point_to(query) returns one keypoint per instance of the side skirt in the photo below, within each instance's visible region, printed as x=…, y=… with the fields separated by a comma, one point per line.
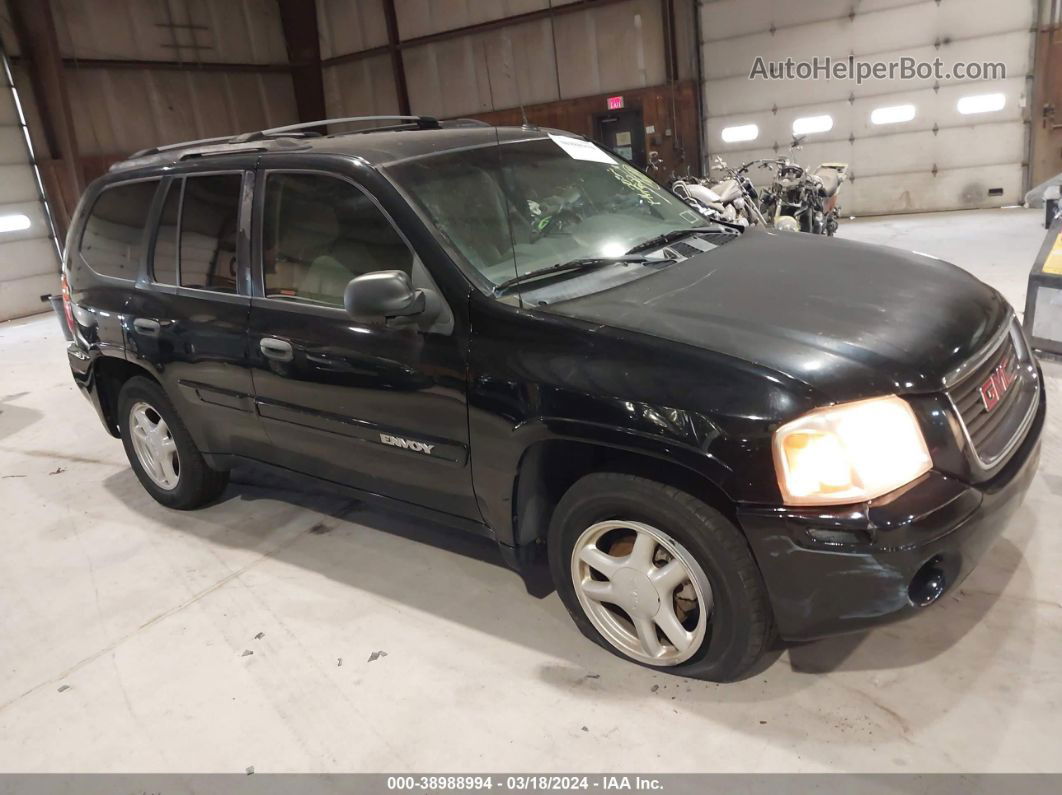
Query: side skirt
x=380, y=501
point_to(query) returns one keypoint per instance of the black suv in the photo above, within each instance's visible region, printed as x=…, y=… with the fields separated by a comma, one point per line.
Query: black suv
x=715, y=436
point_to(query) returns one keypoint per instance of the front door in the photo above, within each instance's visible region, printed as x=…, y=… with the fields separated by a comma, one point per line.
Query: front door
x=623, y=132
x=371, y=406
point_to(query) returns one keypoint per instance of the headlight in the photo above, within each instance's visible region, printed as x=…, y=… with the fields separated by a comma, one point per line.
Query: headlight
x=850, y=453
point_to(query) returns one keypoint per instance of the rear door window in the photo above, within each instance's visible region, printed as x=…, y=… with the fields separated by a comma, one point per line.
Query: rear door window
x=113, y=238
x=210, y=216
x=319, y=232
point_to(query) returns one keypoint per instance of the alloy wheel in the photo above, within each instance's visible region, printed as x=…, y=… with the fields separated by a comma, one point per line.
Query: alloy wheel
x=154, y=445
x=642, y=590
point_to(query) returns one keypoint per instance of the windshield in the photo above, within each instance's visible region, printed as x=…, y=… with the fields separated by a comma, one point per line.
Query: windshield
x=519, y=207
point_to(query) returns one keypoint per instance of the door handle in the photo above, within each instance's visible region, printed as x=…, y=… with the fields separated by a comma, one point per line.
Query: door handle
x=279, y=350
x=147, y=326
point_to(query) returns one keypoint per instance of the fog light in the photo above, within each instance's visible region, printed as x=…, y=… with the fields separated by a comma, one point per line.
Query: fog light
x=928, y=583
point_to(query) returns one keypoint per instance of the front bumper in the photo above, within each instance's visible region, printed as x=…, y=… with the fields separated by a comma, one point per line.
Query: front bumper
x=829, y=572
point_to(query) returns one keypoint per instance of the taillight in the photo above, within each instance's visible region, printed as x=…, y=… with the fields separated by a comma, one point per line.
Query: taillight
x=68, y=306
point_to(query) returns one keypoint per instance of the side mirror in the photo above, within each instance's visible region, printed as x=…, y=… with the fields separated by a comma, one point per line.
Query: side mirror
x=383, y=295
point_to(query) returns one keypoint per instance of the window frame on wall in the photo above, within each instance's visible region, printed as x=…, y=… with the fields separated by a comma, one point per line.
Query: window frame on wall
x=888, y=115
x=742, y=131
x=982, y=103
x=825, y=125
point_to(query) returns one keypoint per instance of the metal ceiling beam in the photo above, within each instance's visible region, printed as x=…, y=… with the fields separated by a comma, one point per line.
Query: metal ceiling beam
x=183, y=66
x=480, y=27
x=299, y=21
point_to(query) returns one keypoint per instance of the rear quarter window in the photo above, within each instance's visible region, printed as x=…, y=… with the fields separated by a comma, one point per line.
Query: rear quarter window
x=113, y=239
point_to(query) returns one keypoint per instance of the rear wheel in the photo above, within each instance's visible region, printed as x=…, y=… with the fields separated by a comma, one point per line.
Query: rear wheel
x=658, y=577
x=161, y=451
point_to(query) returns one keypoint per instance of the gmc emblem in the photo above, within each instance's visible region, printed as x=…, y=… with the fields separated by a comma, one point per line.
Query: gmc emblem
x=993, y=390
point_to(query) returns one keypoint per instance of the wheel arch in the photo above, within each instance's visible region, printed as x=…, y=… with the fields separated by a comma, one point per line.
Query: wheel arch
x=548, y=468
x=110, y=374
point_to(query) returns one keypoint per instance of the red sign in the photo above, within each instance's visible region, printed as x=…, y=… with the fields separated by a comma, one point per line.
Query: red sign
x=993, y=390
x=615, y=103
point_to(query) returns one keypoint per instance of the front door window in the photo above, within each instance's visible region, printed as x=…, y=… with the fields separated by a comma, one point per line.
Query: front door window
x=319, y=232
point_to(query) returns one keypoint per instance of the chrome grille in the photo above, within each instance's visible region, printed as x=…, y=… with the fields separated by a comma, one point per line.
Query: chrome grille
x=993, y=421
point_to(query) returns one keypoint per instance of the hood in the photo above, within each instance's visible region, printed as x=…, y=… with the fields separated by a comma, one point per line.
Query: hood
x=849, y=319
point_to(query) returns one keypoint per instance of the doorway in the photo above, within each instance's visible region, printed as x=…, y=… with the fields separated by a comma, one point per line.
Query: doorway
x=622, y=131
x=1047, y=100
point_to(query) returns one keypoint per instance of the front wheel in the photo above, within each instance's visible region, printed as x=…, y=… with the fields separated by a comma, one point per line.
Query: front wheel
x=161, y=450
x=658, y=577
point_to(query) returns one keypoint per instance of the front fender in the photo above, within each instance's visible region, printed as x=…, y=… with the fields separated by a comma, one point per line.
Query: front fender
x=500, y=456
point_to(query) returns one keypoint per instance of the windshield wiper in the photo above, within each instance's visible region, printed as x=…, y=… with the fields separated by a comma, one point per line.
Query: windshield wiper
x=572, y=266
x=664, y=239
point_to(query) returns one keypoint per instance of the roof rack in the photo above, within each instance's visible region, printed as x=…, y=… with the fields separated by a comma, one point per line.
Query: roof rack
x=421, y=122
x=292, y=130
x=465, y=122
x=225, y=143
x=157, y=150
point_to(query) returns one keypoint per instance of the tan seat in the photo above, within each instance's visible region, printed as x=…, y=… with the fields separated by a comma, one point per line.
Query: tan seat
x=831, y=177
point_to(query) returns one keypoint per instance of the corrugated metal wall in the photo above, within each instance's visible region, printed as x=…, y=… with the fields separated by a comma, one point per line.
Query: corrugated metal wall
x=940, y=159
x=120, y=108
x=346, y=27
x=609, y=48
x=364, y=86
x=172, y=106
x=223, y=31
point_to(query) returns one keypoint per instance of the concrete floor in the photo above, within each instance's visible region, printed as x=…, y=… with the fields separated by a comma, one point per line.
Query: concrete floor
x=133, y=638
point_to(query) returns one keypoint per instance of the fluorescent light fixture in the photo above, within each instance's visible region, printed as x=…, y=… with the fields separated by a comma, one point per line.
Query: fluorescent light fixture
x=813, y=124
x=893, y=114
x=741, y=132
x=982, y=103
x=15, y=222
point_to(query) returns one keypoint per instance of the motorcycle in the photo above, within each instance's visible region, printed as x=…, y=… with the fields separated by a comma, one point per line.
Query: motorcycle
x=802, y=201
x=734, y=200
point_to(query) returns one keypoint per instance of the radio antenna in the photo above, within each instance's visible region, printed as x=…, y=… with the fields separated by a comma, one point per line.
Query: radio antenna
x=515, y=78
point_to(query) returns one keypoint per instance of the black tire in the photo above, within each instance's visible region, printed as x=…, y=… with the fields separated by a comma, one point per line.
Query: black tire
x=740, y=627
x=197, y=483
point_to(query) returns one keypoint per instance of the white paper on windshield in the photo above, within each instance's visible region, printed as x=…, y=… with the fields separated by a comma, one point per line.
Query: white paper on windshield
x=581, y=150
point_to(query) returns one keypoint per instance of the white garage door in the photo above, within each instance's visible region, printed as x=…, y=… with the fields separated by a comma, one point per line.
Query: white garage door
x=29, y=262
x=925, y=153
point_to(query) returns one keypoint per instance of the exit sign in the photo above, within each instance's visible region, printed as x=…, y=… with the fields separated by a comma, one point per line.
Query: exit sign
x=615, y=103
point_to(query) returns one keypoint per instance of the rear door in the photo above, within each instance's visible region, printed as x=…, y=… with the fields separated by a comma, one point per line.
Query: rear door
x=378, y=408
x=188, y=317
